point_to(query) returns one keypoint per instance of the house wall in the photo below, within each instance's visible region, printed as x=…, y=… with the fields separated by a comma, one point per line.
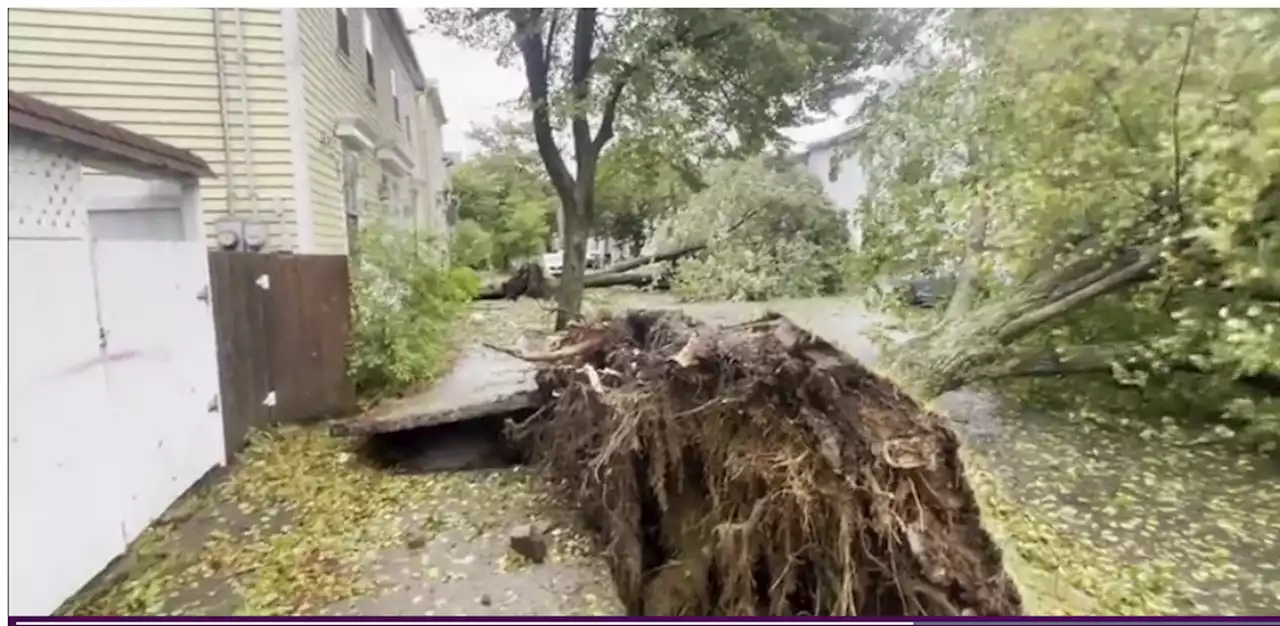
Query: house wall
x=335, y=85
x=845, y=188
x=155, y=72
x=435, y=174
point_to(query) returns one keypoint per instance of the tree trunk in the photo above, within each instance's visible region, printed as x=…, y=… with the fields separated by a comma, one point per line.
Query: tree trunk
x=657, y=257
x=569, y=295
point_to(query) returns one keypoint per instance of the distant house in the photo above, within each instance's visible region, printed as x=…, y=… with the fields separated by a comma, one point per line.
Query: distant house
x=845, y=183
x=309, y=117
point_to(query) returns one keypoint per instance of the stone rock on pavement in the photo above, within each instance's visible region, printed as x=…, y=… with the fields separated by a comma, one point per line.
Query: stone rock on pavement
x=529, y=542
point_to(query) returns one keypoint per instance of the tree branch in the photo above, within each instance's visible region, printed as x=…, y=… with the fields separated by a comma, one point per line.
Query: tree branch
x=1074, y=360
x=1129, y=136
x=550, y=56
x=529, y=40
x=684, y=250
x=1177, y=101
x=629, y=70
x=619, y=85
x=1111, y=281
x=967, y=277
x=584, y=39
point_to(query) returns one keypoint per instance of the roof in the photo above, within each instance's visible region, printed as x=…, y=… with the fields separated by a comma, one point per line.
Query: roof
x=394, y=24
x=109, y=140
x=823, y=144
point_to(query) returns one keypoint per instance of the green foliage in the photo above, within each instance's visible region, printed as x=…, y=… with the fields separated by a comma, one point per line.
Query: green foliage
x=406, y=301
x=525, y=228
x=635, y=186
x=473, y=246
x=770, y=233
x=511, y=206
x=1092, y=137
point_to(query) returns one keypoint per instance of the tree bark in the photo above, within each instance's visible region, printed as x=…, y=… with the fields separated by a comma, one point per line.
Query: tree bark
x=657, y=257
x=591, y=281
x=970, y=267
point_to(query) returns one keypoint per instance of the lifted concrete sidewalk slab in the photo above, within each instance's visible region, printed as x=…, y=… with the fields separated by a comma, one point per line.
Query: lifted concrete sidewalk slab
x=483, y=382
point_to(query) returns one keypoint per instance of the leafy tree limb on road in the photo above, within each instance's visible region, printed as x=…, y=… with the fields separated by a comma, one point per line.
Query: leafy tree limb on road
x=1113, y=176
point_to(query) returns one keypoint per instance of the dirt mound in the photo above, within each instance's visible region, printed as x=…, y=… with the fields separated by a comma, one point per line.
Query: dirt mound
x=758, y=470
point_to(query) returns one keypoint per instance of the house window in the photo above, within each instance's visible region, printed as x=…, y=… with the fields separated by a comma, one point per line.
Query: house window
x=368, y=53
x=344, y=32
x=395, y=96
x=408, y=131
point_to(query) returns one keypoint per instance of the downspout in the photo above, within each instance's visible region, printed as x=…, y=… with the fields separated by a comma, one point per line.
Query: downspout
x=244, y=112
x=219, y=59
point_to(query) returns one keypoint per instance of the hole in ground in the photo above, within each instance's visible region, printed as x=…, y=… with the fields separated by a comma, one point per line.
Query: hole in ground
x=475, y=444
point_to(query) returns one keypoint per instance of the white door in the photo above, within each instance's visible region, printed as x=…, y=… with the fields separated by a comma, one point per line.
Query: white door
x=65, y=483
x=162, y=375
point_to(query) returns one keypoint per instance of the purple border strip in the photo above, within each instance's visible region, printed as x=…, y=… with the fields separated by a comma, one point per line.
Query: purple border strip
x=475, y=619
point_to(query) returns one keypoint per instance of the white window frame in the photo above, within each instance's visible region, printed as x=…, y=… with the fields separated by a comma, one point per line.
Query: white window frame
x=366, y=29
x=395, y=95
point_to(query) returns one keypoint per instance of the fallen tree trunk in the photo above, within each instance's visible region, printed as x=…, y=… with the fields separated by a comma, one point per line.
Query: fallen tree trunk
x=758, y=470
x=530, y=282
x=649, y=259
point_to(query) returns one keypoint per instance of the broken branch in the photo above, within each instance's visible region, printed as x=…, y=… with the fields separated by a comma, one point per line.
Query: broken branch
x=560, y=354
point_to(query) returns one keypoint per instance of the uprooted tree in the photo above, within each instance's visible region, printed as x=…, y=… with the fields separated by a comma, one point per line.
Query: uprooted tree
x=1112, y=178
x=714, y=74
x=758, y=470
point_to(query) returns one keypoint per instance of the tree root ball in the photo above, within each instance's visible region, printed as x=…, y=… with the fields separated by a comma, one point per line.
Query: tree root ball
x=758, y=470
x=531, y=281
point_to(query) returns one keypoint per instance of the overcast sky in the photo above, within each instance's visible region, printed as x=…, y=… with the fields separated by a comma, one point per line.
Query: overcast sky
x=473, y=87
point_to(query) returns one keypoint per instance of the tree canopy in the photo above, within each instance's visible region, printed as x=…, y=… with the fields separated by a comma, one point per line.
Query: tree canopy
x=768, y=229
x=719, y=80
x=1113, y=177
x=505, y=206
x=636, y=186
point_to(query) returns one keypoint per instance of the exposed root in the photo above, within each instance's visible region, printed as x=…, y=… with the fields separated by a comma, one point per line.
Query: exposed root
x=758, y=470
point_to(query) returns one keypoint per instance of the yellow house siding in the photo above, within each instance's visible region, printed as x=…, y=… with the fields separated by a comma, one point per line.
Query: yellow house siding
x=336, y=86
x=154, y=71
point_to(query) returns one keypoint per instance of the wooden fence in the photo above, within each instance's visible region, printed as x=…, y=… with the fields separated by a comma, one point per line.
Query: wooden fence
x=282, y=322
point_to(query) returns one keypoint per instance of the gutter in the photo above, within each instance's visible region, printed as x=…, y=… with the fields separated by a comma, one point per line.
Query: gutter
x=221, y=71
x=245, y=132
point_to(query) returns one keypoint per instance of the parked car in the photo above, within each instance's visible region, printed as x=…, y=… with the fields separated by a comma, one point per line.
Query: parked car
x=553, y=262
x=927, y=292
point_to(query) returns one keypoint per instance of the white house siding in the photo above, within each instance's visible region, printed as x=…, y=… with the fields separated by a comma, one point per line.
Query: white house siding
x=844, y=187
x=154, y=71
x=335, y=86
x=432, y=212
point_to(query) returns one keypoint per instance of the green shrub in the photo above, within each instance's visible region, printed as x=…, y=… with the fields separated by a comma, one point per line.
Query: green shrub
x=473, y=246
x=406, y=299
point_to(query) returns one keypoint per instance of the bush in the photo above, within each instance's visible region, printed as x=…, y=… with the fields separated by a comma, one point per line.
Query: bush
x=770, y=233
x=406, y=299
x=473, y=246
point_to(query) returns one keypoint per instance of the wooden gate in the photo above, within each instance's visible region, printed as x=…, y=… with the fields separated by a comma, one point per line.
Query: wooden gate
x=282, y=322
